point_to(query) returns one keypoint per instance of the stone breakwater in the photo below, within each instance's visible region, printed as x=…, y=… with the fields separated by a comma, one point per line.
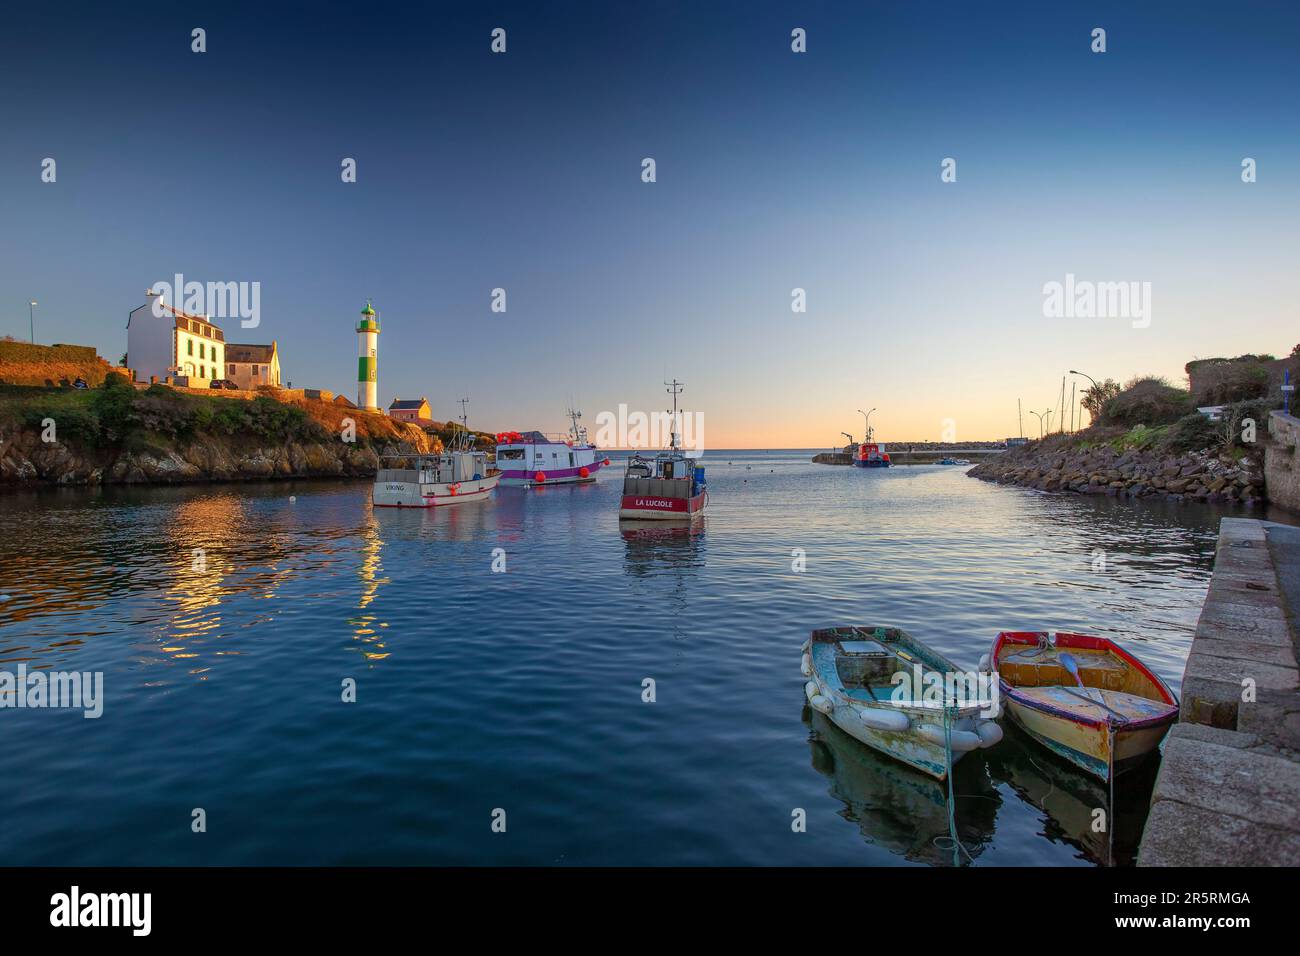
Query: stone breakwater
x=1205, y=476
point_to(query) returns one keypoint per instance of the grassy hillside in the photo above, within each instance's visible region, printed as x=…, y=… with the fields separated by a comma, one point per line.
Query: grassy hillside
x=117, y=413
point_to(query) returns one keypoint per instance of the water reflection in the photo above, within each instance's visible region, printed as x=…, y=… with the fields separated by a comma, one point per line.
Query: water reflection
x=1070, y=800
x=905, y=812
x=367, y=628
x=653, y=547
x=898, y=808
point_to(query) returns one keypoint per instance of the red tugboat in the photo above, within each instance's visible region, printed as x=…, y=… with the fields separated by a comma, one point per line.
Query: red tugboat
x=668, y=486
x=870, y=454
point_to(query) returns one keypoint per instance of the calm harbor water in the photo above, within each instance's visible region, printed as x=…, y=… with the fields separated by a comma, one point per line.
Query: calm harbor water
x=522, y=690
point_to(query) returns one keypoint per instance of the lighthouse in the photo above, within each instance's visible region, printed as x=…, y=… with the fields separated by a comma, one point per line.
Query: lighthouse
x=368, y=359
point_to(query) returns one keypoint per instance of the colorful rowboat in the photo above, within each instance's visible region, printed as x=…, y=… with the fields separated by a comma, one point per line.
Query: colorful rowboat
x=870, y=682
x=1119, y=715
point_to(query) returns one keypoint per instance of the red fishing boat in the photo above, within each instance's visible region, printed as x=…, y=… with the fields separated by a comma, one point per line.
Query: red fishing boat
x=668, y=486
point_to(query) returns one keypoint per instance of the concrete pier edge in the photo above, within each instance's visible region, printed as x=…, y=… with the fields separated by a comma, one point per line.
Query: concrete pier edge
x=1228, y=791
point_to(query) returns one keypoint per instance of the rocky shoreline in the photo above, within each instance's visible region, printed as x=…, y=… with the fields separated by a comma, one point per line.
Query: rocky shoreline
x=1058, y=465
x=27, y=460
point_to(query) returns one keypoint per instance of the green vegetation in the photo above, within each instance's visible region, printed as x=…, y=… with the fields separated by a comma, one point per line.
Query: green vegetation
x=448, y=433
x=14, y=351
x=1097, y=395
x=1219, y=381
x=116, y=413
x=1148, y=401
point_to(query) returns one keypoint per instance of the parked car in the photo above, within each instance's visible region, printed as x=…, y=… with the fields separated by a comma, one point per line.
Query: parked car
x=224, y=383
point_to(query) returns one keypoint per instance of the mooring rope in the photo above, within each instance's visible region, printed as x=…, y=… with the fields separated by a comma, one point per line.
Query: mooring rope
x=949, y=712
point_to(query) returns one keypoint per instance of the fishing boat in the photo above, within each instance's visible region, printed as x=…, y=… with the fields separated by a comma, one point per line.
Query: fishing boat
x=1084, y=698
x=954, y=461
x=871, y=455
x=452, y=477
x=529, y=459
x=667, y=486
x=872, y=683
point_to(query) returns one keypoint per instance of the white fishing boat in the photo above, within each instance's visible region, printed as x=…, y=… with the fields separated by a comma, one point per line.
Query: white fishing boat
x=529, y=459
x=451, y=477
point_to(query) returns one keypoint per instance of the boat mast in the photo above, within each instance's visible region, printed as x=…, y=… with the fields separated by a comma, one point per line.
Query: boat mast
x=462, y=440
x=674, y=389
x=576, y=429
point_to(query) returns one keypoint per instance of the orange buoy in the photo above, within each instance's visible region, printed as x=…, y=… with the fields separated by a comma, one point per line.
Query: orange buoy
x=540, y=477
x=584, y=473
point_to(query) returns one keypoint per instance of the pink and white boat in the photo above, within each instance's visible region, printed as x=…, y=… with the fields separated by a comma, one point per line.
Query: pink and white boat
x=529, y=459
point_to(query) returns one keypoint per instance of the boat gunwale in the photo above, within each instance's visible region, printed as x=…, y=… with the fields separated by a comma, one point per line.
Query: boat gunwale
x=1087, y=642
x=827, y=635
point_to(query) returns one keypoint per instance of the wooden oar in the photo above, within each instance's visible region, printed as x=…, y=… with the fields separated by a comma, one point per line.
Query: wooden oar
x=1072, y=666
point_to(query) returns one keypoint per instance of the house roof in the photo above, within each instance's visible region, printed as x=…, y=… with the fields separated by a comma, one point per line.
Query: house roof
x=408, y=403
x=252, y=354
x=181, y=320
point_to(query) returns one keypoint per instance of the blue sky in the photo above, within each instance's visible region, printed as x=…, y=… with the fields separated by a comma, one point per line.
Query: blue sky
x=775, y=170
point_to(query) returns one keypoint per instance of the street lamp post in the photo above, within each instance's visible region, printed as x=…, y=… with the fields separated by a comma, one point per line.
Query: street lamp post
x=866, y=424
x=1094, y=385
x=1040, y=422
x=31, y=318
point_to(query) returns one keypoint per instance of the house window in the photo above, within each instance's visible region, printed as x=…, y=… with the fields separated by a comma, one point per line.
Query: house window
x=189, y=346
x=202, y=353
x=232, y=369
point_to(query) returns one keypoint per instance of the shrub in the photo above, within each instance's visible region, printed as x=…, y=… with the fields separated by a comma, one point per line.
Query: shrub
x=1239, y=382
x=1234, y=417
x=1192, y=433
x=1146, y=401
x=112, y=404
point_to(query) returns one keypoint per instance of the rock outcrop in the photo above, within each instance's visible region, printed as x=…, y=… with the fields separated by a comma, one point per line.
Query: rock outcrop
x=26, y=459
x=1102, y=469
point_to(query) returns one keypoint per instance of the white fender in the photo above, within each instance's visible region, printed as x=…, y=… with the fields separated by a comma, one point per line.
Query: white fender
x=811, y=690
x=884, y=719
x=823, y=704
x=989, y=732
x=984, y=664
x=962, y=740
x=805, y=665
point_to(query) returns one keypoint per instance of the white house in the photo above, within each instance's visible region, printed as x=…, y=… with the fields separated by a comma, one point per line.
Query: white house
x=249, y=366
x=173, y=343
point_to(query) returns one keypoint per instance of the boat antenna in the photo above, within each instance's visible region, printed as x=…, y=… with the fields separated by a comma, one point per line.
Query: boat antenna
x=674, y=389
x=578, y=437
x=463, y=438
